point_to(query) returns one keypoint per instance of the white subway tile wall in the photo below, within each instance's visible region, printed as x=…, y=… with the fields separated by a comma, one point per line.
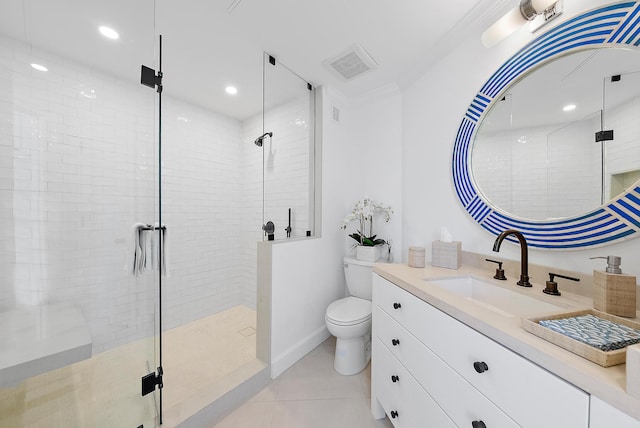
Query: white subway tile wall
x=200, y=203
x=250, y=201
x=541, y=172
x=286, y=166
x=623, y=153
x=78, y=171
x=78, y=167
x=286, y=159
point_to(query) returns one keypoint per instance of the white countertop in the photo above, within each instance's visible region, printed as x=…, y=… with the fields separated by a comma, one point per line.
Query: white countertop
x=608, y=384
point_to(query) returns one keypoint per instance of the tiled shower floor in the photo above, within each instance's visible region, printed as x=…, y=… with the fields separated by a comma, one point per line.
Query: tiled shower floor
x=201, y=361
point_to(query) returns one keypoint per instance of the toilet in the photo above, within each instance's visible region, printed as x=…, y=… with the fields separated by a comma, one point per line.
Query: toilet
x=349, y=319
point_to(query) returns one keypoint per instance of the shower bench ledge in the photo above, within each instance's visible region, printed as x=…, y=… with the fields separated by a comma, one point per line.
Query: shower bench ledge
x=37, y=339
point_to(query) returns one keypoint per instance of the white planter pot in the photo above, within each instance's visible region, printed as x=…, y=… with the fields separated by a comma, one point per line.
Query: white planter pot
x=368, y=254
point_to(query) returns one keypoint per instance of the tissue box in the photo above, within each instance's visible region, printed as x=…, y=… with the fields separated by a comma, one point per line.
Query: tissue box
x=446, y=254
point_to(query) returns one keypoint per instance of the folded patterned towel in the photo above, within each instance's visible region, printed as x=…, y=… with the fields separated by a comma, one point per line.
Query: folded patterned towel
x=597, y=332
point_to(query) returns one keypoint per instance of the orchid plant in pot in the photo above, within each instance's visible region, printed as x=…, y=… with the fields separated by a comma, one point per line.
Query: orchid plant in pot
x=367, y=244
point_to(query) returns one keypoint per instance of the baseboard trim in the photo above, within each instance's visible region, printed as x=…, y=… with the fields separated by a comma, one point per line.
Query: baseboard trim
x=282, y=362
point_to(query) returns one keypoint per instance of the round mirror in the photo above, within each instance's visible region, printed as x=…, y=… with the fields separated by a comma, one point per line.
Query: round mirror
x=565, y=179
x=537, y=144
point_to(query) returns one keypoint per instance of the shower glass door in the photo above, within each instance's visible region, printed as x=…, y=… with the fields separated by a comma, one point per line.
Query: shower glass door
x=78, y=175
x=621, y=115
x=288, y=146
x=573, y=167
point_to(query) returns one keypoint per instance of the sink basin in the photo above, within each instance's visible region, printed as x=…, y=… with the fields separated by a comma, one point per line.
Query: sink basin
x=495, y=298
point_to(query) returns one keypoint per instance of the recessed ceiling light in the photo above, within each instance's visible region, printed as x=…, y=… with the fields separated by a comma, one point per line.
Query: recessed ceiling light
x=569, y=107
x=91, y=94
x=231, y=90
x=109, y=32
x=39, y=67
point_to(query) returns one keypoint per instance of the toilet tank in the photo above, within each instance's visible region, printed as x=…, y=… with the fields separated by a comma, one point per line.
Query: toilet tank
x=359, y=278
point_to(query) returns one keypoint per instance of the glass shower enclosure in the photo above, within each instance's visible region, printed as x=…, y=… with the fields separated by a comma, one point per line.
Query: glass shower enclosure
x=288, y=152
x=88, y=174
x=78, y=190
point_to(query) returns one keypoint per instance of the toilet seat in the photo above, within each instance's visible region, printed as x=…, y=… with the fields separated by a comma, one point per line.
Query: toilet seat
x=349, y=311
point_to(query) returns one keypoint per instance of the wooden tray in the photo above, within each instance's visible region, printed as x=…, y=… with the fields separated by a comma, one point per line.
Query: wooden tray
x=602, y=358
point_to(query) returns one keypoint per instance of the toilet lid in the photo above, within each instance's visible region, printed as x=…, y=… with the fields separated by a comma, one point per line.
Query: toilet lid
x=348, y=311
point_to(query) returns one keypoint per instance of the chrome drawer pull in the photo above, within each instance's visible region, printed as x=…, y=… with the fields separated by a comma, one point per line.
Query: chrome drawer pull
x=394, y=378
x=397, y=306
x=394, y=414
x=395, y=342
x=480, y=366
x=478, y=424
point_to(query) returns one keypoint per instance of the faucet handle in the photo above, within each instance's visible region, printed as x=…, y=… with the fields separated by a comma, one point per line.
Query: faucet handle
x=499, y=271
x=552, y=286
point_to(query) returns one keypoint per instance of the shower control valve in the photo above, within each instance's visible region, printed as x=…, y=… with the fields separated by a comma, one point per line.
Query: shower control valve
x=269, y=230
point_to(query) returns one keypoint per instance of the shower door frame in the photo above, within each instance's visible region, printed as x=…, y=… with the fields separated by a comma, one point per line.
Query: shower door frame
x=150, y=381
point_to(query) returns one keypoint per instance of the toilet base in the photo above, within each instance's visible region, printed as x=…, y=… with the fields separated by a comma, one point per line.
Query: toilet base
x=352, y=355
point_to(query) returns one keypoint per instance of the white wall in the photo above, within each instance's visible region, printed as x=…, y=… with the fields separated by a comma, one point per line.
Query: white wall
x=374, y=126
x=307, y=274
x=358, y=160
x=433, y=107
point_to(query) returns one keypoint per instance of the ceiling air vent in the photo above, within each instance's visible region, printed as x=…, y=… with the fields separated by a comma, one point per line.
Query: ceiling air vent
x=352, y=63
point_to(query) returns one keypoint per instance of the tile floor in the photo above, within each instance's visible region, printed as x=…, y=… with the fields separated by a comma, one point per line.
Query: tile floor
x=310, y=394
x=104, y=390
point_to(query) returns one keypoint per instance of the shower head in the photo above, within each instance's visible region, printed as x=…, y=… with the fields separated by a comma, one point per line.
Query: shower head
x=259, y=140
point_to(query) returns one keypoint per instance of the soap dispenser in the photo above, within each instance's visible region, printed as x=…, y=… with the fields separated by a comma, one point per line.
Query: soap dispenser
x=614, y=292
x=613, y=263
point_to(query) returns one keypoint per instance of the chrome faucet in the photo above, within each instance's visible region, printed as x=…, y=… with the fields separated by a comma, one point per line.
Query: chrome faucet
x=524, y=254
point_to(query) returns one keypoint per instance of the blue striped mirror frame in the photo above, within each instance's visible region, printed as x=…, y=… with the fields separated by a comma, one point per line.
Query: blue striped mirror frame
x=614, y=25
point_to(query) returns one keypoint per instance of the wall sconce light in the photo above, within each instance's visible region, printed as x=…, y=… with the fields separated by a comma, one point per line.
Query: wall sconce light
x=538, y=11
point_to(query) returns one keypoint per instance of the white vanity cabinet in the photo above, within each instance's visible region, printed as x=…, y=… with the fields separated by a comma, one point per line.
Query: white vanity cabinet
x=405, y=402
x=475, y=381
x=604, y=415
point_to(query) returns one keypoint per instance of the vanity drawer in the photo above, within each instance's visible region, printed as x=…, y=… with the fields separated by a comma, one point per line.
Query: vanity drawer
x=399, y=304
x=520, y=388
x=399, y=392
x=459, y=400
